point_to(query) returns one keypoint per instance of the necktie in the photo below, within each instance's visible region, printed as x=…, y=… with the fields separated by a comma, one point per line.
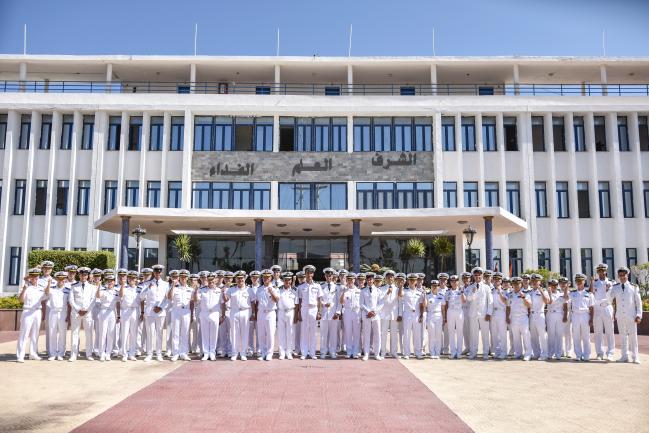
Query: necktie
x=83, y=286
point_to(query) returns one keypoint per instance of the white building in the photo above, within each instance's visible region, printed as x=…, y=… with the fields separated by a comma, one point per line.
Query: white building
x=330, y=161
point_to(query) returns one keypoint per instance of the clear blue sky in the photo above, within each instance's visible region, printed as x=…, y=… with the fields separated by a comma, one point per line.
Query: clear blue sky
x=380, y=27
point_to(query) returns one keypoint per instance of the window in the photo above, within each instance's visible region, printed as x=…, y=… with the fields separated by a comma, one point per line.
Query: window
x=156, y=134
x=448, y=133
x=489, y=134
x=623, y=134
x=382, y=134
x=14, y=266
x=608, y=257
x=67, y=127
x=563, y=207
x=604, y=193
x=580, y=133
x=131, y=254
x=511, y=140
x=110, y=195
x=471, y=194
x=243, y=133
x=558, y=134
x=19, y=196
x=227, y=134
x=583, y=200
x=450, y=194
x=262, y=90
x=399, y=195
x=46, y=132
x=332, y=91
x=565, y=261
x=79, y=249
x=235, y=195
x=83, y=197
x=541, y=199
x=497, y=261
x=114, y=132
x=544, y=258
x=264, y=134
x=87, y=132
x=3, y=130
x=472, y=257
x=25, y=131
x=492, y=194
x=132, y=193
x=321, y=134
x=514, y=198
x=515, y=262
x=0, y=192
x=643, y=130
x=174, y=194
x=62, y=190
x=40, y=206
x=600, y=134
x=631, y=257
x=645, y=193
x=150, y=257
x=586, y=261
x=468, y=134
x=153, y=193
x=627, y=199
x=177, y=133
x=407, y=91
x=485, y=90
x=538, y=135
x=362, y=134
x=386, y=134
x=313, y=196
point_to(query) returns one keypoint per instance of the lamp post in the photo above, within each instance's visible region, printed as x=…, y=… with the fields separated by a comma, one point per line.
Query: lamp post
x=139, y=233
x=469, y=233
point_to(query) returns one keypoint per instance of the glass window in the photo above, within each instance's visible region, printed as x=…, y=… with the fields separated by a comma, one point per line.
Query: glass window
x=538, y=135
x=223, y=131
x=201, y=195
x=407, y=91
x=541, y=199
x=110, y=195
x=492, y=194
x=423, y=134
x=67, y=127
x=382, y=127
x=403, y=134
x=150, y=257
x=399, y=195
x=132, y=193
x=14, y=266
x=643, y=130
x=623, y=134
x=46, y=132
x=448, y=133
x=322, y=132
x=236, y=195
x=544, y=258
x=313, y=196
x=177, y=133
x=25, y=131
x=40, y=206
x=631, y=257
x=262, y=90
x=83, y=197
x=19, y=196
x=580, y=134
x=87, y=132
x=627, y=199
x=450, y=194
x=583, y=200
x=153, y=194
x=3, y=130
x=332, y=90
x=608, y=257
x=243, y=133
x=472, y=258
x=114, y=132
x=304, y=134
x=515, y=262
x=604, y=193
x=511, y=138
x=174, y=194
x=514, y=198
x=489, y=134
x=586, y=262
x=468, y=134
x=203, y=128
x=645, y=193
x=365, y=195
x=563, y=206
x=135, y=133
x=565, y=261
x=339, y=134
x=471, y=194
x=497, y=260
x=600, y=133
x=62, y=191
x=362, y=133
x=558, y=134
x=263, y=134
x=156, y=134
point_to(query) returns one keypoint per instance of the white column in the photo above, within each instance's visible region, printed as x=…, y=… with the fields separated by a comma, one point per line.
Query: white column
x=100, y=138
x=350, y=78
x=351, y=195
x=51, y=187
x=166, y=140
x=589, y=135
x=524, y=122
x=481, y=168
x=433, y=79
x=350, y=134
x=638, y=199
x=34, y=137
x=460, y=165
x=438, y=160
x=460, y=251
x=144, y=150
x=274, y=195
x=187, y=159
x=23, y=76
x=603, y=79
x=276, y=133
x=502, y=181
x=192, y=77
x=109, y=76
x=517, y=81
x=552, y=179
x=613, y=147
x=13, y=135
x=278, y=81
x=77, y=128
x=572, y=179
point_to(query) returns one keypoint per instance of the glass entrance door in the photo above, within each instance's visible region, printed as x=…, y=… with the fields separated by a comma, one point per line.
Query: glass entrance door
x=293, y=254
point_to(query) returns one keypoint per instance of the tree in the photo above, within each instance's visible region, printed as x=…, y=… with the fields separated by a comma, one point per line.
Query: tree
x=442, y=248
x=183, y=246
x=414, y=248
x=547, y=275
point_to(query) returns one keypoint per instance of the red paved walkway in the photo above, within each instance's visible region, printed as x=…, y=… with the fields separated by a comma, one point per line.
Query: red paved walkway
x=282, y=396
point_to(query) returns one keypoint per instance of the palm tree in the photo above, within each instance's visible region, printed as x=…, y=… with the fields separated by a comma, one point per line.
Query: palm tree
x=414, y=248
x=183, y=246
x=442, y=248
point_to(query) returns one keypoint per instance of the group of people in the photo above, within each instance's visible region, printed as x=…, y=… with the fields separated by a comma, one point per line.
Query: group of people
x=232, y=314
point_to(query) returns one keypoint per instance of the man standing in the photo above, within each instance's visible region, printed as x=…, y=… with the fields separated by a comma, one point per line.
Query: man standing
x=180, y=297
x=581, y=305
x=329, y=316
x=82, y=301
x=240, y=310
x=310, y=294
x=389, y=315
x=287, y=315
x=155, y=311
x=628, y=313
x=603, y=314
x=371, y=306
x=412, y=304
x=480, y=301
x=517, y=317
x=267, y=296
x=538, y=333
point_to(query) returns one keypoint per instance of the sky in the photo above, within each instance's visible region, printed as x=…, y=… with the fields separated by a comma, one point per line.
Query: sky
x=306, y=27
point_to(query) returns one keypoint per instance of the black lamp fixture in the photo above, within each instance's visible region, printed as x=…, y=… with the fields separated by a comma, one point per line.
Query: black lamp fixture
x=139, y=233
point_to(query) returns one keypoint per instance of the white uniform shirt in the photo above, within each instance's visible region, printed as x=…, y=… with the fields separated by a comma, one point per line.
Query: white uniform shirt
x=435, y=303
x=287, y=299
x=454, y=299
x=155, y=295
x=627, y=300
x=351, y=300
x=499, y=305
x=371, y=300
x=57, y=300
x=538, y=306
x=265, y=302
x=518, y=309
x=330, y=295
x=131, y=298
x=108, y=298
x=480, y=300
x=411, y=300
x=239, y=299
x=600, y=291
x=181, y=296
x=390, y=309
x=33, y=297
x=82, y=296
x=210, y=299
x=581, y=301
x=309, y=294
x=556, y=303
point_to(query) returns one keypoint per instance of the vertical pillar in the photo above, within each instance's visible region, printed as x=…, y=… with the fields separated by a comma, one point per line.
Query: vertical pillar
x=517, y=81
x=123, y=249
x=603, y=79
x=278, y=82
x=489, y=241
x=192, y=78
x=109, y=77
x=23, y=76
x=350, y=79
x=350, y=134
x=433, y=79
x=259, y=243
x=356, y=245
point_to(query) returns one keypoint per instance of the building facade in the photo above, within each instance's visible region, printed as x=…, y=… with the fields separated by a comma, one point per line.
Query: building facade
x=332, y=161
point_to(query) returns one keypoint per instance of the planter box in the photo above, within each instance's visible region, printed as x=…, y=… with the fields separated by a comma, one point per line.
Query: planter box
x=10, y=320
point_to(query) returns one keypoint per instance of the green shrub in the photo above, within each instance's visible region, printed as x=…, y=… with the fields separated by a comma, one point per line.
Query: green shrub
x=61, y=259
x=546, y=274
x=10, y=303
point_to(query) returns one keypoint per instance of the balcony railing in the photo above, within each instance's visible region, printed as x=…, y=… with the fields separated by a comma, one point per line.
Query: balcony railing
x=325, y=89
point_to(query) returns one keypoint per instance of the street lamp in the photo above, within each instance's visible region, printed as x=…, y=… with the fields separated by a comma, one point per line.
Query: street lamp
x=139, y=233
x=469, y=233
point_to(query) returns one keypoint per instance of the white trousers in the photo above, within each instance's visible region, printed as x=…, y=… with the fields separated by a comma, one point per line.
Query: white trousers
x=628, y=330
x=393, y=327
x=435, y=339
x=239, y=322
x=224, y=344
x=285, y=332
x=556, y=330
x=498, y=328
x=455, y=324
x=522, y=341
x=106, y=318
x=128, y=331
x=209, y=331
x=352, y=328
x=581, y=335
x=266, y=324
x=180, y=318
x=154, y=327
x=30, y=325
x=603, y=327
x=411, y=333
x=328, y=336
x=88, y=324
x=253, y=336
x=538, y=335
x=308, y=331
x=371, y=334
x=56, y=331
x=479, y=326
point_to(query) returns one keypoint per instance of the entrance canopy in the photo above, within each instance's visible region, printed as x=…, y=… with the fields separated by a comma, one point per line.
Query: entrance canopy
x=383, y=222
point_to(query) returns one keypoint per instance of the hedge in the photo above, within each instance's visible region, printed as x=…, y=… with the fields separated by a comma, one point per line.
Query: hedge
x=10, y=303
x=62, y=258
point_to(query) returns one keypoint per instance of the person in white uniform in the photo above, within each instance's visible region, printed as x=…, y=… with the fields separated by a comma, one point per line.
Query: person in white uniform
x=212, y=309
x=466, y=329
x=480, y=301
x=434, y=304
x=31, y=295
x=498, y=322
x=57, y=311
x=82, y=302
x=180, y=296
x=603, y=314
x=108, y=300
x=350, y=304
x=455, y=299
x=442, y=277
x=267, y=297
x=310, y=294
x=253, y=329
x=628, y=313
x=286, y=316
x=538, y=334
x=518, y=306
x=371, y=306
x=566, y=338
x=389, y=315
x=412, y=300
x=581, y=307
x=555, y=320
x=155, y=299
x=129, y=302
x=329, y=316
x=240, y=310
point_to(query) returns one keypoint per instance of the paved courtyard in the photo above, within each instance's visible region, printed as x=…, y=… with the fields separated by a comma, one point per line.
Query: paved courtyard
x=317, y=396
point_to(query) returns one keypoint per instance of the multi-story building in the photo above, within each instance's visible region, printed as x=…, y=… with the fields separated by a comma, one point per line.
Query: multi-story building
x=331, y=161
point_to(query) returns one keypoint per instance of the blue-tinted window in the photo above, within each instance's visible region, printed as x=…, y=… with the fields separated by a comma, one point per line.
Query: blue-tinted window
x=235, y=195
x=156, y=134
x=83, y=197
x=563, y=206
x=88, y=131
x=627, y=199
x=489, y=134
x=174, y=194
x=46, y=132
x=14, y=265
x=604, y=193
x=25, y=131
x=19, y=196
x=492, y=194
x=110, y=195
x=135, y=133
x=471, y=194
x=450, y=194
x=313, y=196
x=262, y=90
x=448, y=133
x=362, y=134
x=541, y=194
x=153, y=194
x=468, y=134
x=399, y=195
x=407, y=91
x=332, y=90
x=513, y=190
x=177, y=133
x=385, y=134
x=114, y=132
x=132, y=193
x=67, y=127
x=580, y=135
x=3, y=130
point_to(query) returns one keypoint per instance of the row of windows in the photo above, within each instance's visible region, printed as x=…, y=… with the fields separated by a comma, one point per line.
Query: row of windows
x=329, y=134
